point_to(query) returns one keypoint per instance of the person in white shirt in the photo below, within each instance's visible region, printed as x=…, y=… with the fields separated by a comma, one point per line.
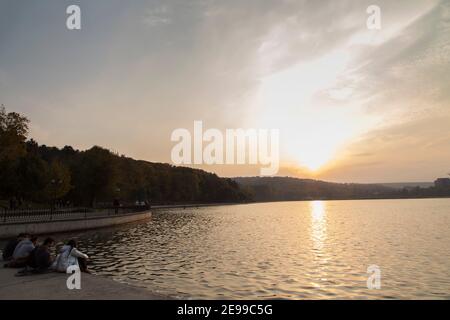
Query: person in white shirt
x=70, y=256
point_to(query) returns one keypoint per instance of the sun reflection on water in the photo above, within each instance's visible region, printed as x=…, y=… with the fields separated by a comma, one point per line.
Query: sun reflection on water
x=318, y=224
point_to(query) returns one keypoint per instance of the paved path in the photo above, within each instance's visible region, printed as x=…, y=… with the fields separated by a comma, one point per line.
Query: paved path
x=52, y=286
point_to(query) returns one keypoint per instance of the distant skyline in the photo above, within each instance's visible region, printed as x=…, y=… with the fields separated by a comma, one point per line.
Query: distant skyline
x=352, y=104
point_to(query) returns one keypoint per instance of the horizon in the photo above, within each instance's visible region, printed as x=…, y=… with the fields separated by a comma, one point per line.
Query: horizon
x=352, y=105
x=257, y=176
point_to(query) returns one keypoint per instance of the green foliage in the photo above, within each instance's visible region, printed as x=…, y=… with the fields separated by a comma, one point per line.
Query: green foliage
x=99, y=176
x=24, y=174
x=13, y=132
x=35, y=173
x=32, y=175
x=39, y=181
x=57, y=184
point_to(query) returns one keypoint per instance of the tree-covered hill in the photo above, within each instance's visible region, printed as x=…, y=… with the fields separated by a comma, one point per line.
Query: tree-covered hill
x=37, y=174
x=98, y=175
x=287, y=189
x=291, y=189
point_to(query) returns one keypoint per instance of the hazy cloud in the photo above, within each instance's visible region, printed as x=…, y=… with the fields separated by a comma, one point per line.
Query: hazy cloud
x=157, y=16
x=138, y=70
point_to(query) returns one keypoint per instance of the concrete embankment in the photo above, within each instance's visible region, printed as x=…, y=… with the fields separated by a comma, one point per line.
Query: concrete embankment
x=80, y=222
x=52, y=286
x=8, y=230
x=192, y=205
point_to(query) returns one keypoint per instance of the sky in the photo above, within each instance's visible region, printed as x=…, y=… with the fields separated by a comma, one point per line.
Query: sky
x=351, y=104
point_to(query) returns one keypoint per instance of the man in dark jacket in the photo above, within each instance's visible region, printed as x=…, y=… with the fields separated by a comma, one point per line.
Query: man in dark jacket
x=41, y=258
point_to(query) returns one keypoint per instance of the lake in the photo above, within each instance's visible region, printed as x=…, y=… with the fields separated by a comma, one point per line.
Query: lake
x=284, y=250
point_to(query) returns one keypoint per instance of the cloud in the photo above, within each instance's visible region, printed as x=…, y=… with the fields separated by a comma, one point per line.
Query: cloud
x=406, y=72
x=415, y=150
x=157, y=16
x=159, y=65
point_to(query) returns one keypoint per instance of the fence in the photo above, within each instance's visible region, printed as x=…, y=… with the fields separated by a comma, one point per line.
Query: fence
x=45, y=215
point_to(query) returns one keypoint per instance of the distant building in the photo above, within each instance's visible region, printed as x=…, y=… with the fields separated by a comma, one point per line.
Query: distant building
x=442, y=183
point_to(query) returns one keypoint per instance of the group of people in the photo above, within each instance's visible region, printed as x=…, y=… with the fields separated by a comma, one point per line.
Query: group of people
x=25, y=252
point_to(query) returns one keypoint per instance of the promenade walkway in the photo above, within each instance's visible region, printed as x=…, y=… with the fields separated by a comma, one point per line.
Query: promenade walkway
x=52, y=286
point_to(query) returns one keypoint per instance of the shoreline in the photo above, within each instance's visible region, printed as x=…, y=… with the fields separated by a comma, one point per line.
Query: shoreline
x=9, y=230
x=52, y=286
x=175, y=206
x=345, y=199
x=198, y=205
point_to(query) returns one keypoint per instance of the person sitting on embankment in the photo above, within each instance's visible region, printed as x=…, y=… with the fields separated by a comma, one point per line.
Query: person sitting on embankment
x=8, y=251
x=71, y=256
x=22, y=253
x=41, y=259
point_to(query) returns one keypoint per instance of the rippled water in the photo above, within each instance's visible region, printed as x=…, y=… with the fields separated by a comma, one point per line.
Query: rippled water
x=289, y=250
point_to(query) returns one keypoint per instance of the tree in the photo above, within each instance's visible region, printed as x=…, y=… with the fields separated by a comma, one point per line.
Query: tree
x=58, y=181
x=41, y=182
x=13, y=134
x=32, y=176
x=98, y=175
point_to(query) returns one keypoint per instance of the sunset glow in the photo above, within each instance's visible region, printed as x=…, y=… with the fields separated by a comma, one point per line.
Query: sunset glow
x=351, y=104
x=314, y=129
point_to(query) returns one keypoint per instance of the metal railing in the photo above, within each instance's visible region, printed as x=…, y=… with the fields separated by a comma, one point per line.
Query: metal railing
x=52, y=214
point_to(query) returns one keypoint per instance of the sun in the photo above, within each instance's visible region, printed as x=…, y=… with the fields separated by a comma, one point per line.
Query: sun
x=313, y=162
x=311, y=108
x=318, y=142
